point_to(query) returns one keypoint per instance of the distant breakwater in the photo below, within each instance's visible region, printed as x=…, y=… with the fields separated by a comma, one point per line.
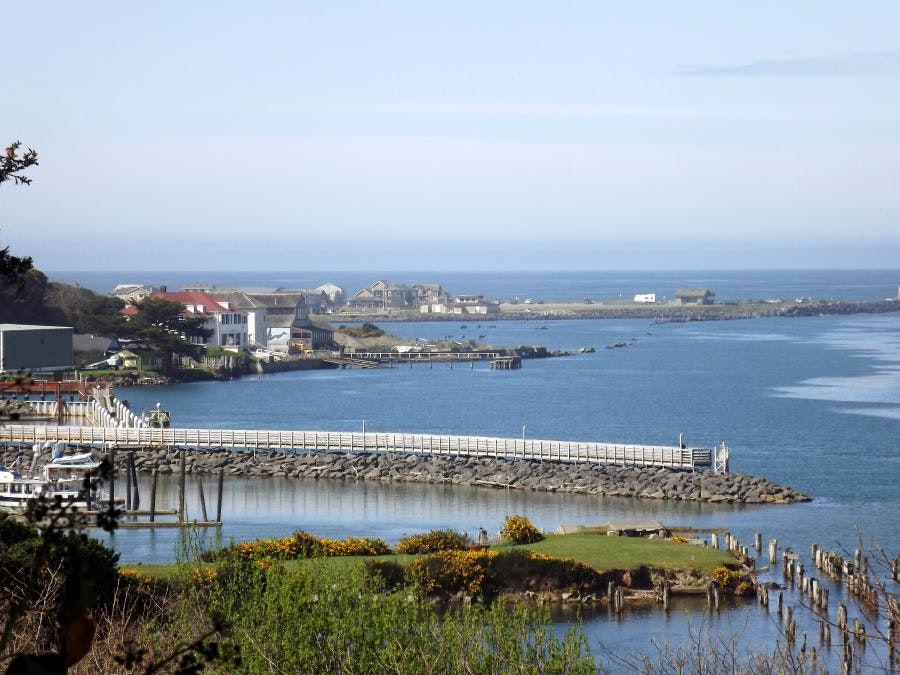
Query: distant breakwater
x=659, y=314
x=583, y=478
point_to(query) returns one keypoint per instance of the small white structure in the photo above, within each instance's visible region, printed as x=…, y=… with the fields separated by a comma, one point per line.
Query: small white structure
x=644, y=298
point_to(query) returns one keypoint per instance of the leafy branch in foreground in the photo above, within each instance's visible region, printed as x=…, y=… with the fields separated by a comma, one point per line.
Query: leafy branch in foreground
x=12, y=163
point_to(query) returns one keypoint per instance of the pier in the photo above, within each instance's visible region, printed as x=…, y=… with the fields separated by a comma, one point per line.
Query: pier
x=331, y=441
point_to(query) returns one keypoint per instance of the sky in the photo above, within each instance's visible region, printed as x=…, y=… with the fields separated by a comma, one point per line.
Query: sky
x=466, y=135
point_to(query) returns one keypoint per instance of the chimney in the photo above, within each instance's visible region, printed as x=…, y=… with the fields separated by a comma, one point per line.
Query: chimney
x=163, y=288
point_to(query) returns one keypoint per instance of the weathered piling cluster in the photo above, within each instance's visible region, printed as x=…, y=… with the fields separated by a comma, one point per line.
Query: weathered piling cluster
x=596, y=479
x=857, y=578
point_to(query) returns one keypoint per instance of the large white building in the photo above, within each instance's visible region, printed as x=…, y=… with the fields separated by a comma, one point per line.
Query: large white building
x=230, y=326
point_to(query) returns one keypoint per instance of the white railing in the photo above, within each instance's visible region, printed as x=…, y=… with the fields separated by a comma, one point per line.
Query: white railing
x=330, y=441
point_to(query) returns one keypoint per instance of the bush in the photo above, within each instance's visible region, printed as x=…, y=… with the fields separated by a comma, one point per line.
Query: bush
x=387, y=574
x=520, y=530
x=453, y=571
x=434, y=541
x=354, y=546
x=304, y=545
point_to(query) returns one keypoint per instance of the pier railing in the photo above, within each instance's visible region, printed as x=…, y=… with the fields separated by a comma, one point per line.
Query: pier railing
x=330, y=441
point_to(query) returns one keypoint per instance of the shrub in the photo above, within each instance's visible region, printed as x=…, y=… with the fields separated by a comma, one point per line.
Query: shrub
x=452, y=571
x=386, y=573
x=434, y=541
x=725, y=577
x=520, y=530
x=354, y=546
x=305, y=545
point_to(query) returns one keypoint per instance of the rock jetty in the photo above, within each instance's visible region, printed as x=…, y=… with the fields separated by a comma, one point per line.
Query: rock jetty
x=594, y=479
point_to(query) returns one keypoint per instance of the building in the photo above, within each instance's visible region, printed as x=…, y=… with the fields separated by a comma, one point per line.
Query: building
x=333, y=292
x=305, y=335
x=132, y=293
x=35, y=348
x=464, y=304
x=430, y=294
x=694, y=296
x=229, y=326
x=645, y=298
x=384, y=295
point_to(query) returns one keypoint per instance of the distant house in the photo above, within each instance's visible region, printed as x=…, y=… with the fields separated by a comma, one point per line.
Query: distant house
x=132, y=292
x=333, y=292
x=384, y=295
x=694, y=296
x=645, y=298
x=34, y=348
x=229, y=326
x=430, y=294
x=365, y=299
x=271, y=313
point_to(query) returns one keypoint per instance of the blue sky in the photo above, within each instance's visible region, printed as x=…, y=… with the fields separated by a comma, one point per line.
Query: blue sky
x=503, y=135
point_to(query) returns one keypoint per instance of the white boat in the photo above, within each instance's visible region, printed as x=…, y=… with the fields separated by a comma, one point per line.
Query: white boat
x=62, y=477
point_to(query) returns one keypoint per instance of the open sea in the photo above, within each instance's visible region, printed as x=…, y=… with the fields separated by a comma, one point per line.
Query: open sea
x=810, y=402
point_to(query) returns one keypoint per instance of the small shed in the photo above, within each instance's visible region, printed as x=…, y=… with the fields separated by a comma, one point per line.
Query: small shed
x=694, y=296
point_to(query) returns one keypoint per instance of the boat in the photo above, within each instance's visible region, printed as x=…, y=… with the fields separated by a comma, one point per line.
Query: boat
x=62, y=477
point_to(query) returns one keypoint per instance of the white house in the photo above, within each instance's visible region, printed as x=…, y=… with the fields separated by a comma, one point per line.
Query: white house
x=132, y=292
x=230, y=326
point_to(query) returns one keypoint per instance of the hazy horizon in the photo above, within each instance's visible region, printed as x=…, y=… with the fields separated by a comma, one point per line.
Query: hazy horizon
x=505, y=136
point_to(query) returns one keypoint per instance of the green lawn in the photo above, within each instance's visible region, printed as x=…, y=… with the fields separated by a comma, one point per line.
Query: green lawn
x=623, y=553
x=597, y=550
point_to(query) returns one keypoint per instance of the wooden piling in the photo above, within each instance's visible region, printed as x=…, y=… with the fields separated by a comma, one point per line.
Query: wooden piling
x=153, y=495
x=202, y=500
x=112, y=479
x=181, y=495
x=773, y=551
x=220, y=490
x=128, y=482
x=757, y=542
x=136, y=494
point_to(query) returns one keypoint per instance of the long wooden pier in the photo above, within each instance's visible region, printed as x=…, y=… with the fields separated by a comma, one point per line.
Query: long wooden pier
x=330, y=441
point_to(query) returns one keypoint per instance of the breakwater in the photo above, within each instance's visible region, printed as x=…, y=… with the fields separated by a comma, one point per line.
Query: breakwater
x=548, y=476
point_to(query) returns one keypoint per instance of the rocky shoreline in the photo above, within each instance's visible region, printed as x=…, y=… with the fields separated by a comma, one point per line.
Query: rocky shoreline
x=593, y=479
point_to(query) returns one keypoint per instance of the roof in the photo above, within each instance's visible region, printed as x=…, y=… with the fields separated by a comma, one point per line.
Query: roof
x=194, y=298
x=83, y=342
x=330, y=288
x=128, y=288
x=9, y=327
x=692, y=292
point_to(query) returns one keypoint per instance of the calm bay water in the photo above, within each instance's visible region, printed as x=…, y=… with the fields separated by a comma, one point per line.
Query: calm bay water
x=814, y=403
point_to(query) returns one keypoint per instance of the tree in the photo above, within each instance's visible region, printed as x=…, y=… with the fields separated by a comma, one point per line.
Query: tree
x=162, y=326
x=13, y=269
x=12, y=164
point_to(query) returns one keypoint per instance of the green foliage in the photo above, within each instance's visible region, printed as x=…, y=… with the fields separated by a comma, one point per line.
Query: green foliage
x=12, y=163
x=387, y=574
x=161, y=326
x=317, y=620
x=367, y=330
x=434, y=541
x=520, y=530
